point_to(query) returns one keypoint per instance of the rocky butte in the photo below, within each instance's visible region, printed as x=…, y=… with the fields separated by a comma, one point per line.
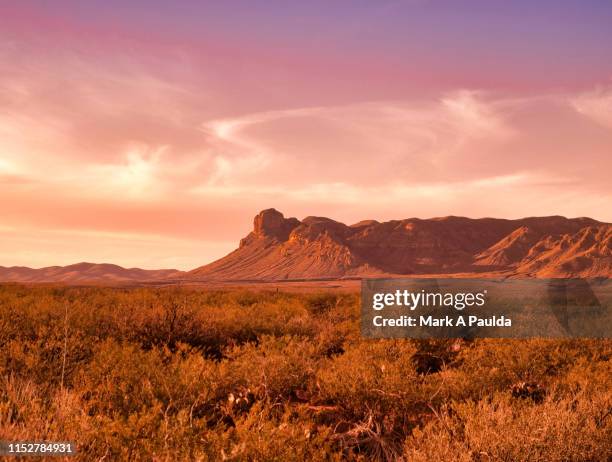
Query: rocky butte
x=282, y=248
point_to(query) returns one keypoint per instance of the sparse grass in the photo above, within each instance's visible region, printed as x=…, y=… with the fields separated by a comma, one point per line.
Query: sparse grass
x=192, y=374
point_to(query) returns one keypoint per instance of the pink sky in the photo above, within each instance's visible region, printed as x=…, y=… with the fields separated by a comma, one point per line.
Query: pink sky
x=153, y=146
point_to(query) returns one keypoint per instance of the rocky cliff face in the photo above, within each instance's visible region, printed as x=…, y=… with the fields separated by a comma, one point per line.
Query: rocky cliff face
x=287, y=248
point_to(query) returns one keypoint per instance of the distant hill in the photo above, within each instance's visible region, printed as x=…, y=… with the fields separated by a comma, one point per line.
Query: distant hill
x=317, y=247
x=84, y=273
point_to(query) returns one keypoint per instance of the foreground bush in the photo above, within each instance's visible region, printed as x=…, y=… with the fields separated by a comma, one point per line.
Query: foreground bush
x=192, y=374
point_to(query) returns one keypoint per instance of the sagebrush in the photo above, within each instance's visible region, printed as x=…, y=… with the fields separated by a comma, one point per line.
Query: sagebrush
x=175, y=374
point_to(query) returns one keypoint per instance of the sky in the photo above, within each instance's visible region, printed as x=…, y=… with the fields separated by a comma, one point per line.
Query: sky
x=148, y=134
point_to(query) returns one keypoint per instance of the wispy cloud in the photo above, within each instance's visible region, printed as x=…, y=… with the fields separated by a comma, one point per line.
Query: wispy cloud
x=129, y=150
x=596, y=105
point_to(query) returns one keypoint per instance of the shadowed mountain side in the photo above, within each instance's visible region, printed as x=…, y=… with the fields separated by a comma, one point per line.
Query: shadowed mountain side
x=84, y=272
x=317, y=247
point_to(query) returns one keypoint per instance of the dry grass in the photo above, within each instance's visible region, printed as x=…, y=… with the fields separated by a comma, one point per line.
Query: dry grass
x=187, y=374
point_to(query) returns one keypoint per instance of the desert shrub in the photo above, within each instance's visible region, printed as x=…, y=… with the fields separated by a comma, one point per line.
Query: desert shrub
x=489, y=365
x=322, y=303
x=432, y=355
x=374, y=389
x=276, y=434
x=181, y=374
x=572, y=422
x=504, y=430
x=275, y=369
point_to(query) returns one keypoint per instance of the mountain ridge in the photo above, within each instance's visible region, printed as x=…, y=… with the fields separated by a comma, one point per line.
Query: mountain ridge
x=282, y=248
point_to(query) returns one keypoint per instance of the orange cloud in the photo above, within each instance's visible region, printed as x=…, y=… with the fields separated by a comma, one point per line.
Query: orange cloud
x=155, y=169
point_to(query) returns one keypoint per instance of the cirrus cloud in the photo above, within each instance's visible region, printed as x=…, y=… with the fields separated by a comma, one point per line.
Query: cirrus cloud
x=128, y=150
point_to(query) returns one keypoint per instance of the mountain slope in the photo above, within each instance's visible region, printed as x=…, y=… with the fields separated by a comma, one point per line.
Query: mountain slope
x=281, y=248
x=587, y=253
x=84, y=272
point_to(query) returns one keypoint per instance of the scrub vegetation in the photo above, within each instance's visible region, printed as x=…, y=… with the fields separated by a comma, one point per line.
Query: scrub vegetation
x=181, y=374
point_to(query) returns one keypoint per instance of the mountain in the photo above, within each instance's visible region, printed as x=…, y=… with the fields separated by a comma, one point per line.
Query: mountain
x=282, y=248
x=85, y=273
x=316, y=247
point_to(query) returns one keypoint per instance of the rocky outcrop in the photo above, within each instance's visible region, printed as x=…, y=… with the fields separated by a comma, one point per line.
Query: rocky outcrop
x=317, y=247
